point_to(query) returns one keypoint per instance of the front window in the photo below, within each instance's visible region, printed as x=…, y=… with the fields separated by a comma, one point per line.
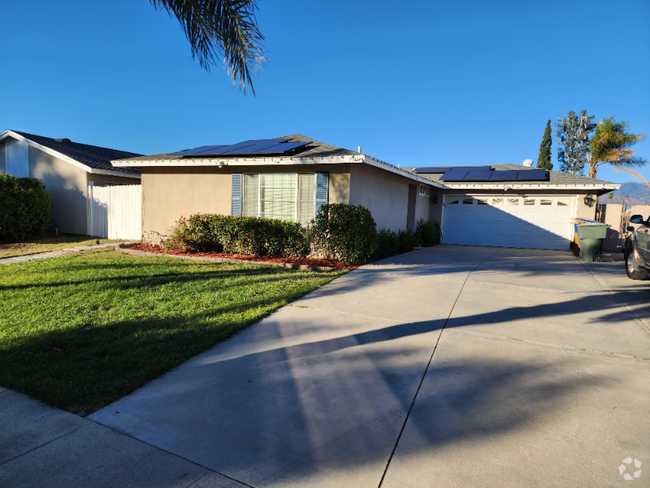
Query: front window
x=284, y=196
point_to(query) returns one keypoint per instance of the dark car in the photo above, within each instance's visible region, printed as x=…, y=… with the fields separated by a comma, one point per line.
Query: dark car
x=637, y=249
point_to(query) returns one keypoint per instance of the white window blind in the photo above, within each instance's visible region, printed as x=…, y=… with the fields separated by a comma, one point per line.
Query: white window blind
x=285, y=196
x=278, y=196
x=306, y=202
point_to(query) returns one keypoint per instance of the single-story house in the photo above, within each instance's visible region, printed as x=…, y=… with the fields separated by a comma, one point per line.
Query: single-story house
x=290, y=177
x=67, y=169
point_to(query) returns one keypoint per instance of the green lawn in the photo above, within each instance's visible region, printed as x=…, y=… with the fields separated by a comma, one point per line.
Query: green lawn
x=45, y=244
x=82, y=331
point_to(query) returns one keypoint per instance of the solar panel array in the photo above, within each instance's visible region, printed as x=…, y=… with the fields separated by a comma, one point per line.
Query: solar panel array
x=479, y=173
x=252, y=147
x=446, y=169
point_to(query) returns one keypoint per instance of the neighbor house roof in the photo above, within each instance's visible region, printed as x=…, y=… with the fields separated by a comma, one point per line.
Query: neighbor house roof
x=93, y=159
x=556, y=180
x=315, y=152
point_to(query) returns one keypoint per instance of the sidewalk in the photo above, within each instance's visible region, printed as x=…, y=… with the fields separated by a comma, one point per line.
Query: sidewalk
x=54, y=254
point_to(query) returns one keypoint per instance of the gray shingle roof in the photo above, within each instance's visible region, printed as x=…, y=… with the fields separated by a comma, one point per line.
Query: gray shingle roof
x=313, y=149
x=555, y=177
x=93, y=156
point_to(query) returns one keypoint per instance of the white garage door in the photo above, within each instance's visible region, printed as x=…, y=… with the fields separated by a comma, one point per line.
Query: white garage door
x=529, y=222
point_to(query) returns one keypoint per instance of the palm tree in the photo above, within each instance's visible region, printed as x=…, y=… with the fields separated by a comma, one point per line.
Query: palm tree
x=221, y=28
x=611, y=146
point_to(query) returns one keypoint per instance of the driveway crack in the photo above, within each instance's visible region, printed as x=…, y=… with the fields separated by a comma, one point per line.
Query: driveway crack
x=426, y=370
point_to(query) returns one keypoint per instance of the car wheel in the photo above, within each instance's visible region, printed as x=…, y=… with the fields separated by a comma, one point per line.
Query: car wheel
x=631, y=269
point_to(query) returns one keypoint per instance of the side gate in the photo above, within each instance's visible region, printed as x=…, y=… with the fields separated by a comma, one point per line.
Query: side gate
x=115, y=212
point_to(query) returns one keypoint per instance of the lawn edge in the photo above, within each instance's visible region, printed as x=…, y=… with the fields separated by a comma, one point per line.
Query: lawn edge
x=124, y=247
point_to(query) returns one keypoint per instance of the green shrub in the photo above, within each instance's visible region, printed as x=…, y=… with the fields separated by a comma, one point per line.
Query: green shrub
x=428, y=232
x=24, y=208
x=346, y=232
x=389, y=243
x=242, y=235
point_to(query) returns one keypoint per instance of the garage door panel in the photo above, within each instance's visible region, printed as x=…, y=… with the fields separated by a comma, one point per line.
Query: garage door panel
x=513, y=221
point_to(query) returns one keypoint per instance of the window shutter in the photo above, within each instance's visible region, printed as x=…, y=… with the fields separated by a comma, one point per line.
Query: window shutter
x=322, y=190
x=236, y=201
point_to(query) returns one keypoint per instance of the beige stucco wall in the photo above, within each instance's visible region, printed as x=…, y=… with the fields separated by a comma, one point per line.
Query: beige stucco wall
x=66, y=184
x=422, y=205
x=386, y=196
x=171, y=193
x=586, y=210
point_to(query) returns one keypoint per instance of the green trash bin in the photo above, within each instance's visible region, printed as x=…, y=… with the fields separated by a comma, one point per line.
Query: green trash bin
x=590, y=240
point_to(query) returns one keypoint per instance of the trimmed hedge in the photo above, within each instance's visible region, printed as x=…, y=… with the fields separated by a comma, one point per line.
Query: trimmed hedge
x=346, y=232
x=390, y=243
x=24, y=208
x=239, y=235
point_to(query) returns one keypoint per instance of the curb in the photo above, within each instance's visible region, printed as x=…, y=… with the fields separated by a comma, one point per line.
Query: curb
x=125, y=249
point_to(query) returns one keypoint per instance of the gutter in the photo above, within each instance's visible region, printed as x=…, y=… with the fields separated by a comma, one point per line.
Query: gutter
x=270, y=161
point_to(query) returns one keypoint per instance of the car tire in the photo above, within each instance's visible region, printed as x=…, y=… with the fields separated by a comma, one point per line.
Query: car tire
x=631, y=269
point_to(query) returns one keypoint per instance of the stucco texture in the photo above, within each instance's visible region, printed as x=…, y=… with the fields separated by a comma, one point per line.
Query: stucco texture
x=386, y=196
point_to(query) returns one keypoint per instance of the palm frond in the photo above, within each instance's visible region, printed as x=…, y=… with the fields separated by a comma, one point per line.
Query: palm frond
x=618, y=169
x=221, y=28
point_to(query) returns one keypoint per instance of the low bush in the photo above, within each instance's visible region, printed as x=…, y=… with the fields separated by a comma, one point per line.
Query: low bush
x=428, y=232
x=243, y=235
x=345, y=232
x=389, y=243
x=25, y=208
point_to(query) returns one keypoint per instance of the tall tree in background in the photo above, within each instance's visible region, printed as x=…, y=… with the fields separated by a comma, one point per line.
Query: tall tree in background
x=221, y=29
x=572, y=133
x=544, y=158
x=611, y=146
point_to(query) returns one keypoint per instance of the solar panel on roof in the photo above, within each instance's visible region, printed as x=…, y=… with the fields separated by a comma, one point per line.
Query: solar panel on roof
x=532, y=175
x=197, y=150
x=480, y=175
x=253, y=146
x=445, y=169
x=454, y=176
x=282, y=148
x=509, y=175
x=433, y=169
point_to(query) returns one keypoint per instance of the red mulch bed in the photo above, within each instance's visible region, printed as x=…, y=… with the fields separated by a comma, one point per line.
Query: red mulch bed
x=329, y=263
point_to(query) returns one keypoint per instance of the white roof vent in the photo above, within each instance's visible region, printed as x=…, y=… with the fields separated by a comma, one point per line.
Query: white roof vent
x=528, y=163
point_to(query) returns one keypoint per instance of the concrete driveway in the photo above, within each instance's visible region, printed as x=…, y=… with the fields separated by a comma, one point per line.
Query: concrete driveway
x=451, y=366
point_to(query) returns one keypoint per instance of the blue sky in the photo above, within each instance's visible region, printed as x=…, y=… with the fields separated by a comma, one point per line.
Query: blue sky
x=439, y=83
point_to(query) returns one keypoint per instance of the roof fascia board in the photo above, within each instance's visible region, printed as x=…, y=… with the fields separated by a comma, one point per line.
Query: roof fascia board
x=575, y=186
x=284, y=161
x=399, y=171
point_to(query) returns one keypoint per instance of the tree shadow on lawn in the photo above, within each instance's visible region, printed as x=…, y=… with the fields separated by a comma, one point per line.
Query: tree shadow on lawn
x=89, y=364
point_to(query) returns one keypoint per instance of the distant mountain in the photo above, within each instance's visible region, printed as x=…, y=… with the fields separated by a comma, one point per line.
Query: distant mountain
x=633, y=193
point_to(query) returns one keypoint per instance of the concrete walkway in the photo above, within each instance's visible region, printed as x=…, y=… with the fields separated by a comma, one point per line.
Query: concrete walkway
x=450, y=367
x=54, y=254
